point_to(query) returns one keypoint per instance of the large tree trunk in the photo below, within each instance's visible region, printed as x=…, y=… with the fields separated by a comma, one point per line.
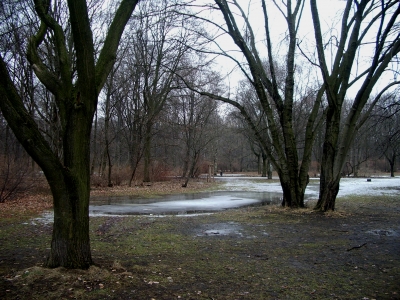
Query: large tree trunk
x=358, y=21
x=330, y=171
x=70, y=186
x=391, y=168
x=292, y=196
x=69, y=180
x=327, y=194
x=70, y=245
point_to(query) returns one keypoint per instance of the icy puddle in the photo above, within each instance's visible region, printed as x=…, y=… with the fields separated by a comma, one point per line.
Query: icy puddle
x=181, y=204
x=221, y=229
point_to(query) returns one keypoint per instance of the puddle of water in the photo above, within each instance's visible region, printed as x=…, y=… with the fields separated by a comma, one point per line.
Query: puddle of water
x=220, y=229
x=181, y=204
x=383, y=232
x=46, y=219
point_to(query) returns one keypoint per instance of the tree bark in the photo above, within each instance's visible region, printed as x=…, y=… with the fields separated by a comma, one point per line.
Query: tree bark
x=147, y=152
x=69, y=181
x=70, y=245
x=269, y=169
x=264, y=165
x=392, y=163
x=330, y=176
x=327, y=194
x=69, y=177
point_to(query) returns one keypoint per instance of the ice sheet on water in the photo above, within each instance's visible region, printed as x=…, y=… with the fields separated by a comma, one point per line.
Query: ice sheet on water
x=250, y=185
x=348, y=186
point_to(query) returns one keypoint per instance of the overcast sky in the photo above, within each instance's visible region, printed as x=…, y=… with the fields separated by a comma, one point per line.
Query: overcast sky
x=330, y=15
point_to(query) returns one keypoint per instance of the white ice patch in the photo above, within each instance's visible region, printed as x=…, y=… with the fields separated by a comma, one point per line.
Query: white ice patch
x=348, y=186
x=208, y=204
x=377, y=186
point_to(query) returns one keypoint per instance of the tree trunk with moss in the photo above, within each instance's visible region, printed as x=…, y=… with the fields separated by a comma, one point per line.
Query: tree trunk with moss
x=76, y=101
x=329, y=181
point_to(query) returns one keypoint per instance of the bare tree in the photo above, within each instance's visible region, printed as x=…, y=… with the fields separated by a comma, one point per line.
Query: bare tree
x=16, y=171
x=198, y=130
x=249, y=99
x=129, y=108
x=276, y=97
x=158, y=52
x=386, y=124
x=361, y=20
x=75, y=85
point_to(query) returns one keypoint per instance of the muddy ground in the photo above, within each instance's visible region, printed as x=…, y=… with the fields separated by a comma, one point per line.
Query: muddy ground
x=251, y=253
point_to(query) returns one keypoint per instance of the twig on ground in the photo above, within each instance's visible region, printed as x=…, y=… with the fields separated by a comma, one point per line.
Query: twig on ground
x=356, y=247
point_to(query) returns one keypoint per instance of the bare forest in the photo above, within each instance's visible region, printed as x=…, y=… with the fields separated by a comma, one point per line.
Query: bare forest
x=108, y=93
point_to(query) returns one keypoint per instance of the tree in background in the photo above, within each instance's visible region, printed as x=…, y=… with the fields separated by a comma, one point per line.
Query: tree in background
x=275, y=90
x=386, y=124
x=247, y=96
x=197, y=124
x=159, y=48
x=16, y=168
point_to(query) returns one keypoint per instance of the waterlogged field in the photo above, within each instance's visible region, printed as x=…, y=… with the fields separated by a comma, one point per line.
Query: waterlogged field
x=264, y=252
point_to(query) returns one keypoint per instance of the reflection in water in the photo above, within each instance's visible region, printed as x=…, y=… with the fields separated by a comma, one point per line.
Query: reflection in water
x=182, y=203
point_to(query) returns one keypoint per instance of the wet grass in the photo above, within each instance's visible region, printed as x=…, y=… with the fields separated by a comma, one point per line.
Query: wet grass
x=268, y=253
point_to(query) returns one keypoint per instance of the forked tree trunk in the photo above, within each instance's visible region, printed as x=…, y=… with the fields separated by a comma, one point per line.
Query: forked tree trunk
x=327, y=195
x=70, y=246
x=330, y=172
x=292, y=196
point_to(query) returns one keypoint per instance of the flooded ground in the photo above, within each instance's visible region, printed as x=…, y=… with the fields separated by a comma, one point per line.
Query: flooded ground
x=248, y=253
x=181, y=204
x=238, y=191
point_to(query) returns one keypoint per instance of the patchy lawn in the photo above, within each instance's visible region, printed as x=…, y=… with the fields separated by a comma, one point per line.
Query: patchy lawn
x=251, y=253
